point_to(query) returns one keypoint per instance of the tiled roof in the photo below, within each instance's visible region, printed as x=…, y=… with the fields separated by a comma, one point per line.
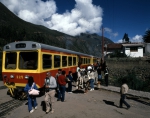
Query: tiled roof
x=114, y=46
x=133, y=44
x=120, y=45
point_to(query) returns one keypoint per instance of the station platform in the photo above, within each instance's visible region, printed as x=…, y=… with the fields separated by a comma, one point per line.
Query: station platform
x=92, y=104
x=1, y=83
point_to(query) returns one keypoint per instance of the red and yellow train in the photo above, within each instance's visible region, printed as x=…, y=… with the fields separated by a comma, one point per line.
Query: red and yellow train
x=26, y=58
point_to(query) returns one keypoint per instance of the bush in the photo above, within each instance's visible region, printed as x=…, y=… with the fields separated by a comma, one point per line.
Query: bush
x=117, y=54
x=133, y=82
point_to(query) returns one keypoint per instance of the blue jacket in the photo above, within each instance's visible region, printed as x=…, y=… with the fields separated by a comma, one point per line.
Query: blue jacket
x=70, y=78
x=27, y=87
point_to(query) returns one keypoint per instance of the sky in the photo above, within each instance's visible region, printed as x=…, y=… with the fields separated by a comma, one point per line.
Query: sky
x=113, y=17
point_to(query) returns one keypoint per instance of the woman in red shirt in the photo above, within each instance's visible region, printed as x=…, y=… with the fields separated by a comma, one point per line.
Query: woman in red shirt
x=62, y=85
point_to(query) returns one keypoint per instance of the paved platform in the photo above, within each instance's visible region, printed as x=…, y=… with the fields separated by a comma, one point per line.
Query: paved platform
x=1, y=83
x=94, y=104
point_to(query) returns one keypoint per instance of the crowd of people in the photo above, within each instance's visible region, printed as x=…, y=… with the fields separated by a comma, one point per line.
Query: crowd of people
x=85, y=78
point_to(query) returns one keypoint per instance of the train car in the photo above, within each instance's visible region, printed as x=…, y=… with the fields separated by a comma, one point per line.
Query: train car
x=27, y=58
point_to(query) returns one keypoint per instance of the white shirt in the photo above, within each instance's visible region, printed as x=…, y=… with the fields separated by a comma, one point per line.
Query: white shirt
x=51, y=82
x=89, y=67
x=91, y=75
x=124, y=89
x=78, y=69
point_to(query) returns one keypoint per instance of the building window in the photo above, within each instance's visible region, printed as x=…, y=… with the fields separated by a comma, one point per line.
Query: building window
x=133, y=49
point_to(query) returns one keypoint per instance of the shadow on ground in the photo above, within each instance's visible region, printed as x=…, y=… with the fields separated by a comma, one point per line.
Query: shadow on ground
x=110, y=103
x=78, y=91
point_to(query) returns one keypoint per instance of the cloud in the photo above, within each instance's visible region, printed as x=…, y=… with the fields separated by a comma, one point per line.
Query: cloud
x=110, y=32
x=84, y=17
x=137, y=38
x=119, y=41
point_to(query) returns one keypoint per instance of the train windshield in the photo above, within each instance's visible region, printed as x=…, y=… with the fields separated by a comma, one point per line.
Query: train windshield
x=27, y=60
x=11, y=60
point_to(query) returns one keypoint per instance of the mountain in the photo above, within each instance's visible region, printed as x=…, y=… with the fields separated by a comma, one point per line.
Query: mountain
x=12, y=28
x=93, y=42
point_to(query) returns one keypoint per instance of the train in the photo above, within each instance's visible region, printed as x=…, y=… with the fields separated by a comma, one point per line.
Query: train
x=28, y=58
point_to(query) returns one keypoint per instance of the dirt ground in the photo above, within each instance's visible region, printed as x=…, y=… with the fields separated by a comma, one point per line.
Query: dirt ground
x=94, y=104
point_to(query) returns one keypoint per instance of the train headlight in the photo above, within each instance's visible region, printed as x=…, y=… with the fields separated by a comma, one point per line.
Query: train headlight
x=26, y=76
x=5, y=76
x=12, y=76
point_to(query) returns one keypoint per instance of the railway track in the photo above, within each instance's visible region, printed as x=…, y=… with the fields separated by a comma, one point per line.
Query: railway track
x=142, y=100
x=3, y=87
x=8, y=106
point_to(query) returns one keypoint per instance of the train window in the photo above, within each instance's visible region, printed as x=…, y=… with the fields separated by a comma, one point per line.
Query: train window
x=88, y=61
x=10, y=60
x=56, y=61
x=74, y=61
x=47, y=61
x=85, y=60
x=21, y=45
x=94, y=60
x=78, y=59
x=28, y=60
x=69, y=61
x=64, y=61
x=81, y=60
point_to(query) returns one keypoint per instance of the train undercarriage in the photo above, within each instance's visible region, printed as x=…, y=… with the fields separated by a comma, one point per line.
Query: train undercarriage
x=18, y=92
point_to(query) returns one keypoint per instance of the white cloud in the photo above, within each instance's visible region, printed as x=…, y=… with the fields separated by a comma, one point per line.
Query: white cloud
x=110, y=32
x=119, y=41
x=137, y=38
x=85, y=17
x=28, y=15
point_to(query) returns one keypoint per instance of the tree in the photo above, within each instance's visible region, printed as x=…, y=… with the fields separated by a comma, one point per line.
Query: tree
x=125, y=38
x=146, y=37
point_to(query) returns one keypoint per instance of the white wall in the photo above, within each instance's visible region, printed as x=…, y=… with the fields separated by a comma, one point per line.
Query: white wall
x=139, y=53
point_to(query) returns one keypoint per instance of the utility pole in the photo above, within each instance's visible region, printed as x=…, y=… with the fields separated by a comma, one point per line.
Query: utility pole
x=102, y=43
